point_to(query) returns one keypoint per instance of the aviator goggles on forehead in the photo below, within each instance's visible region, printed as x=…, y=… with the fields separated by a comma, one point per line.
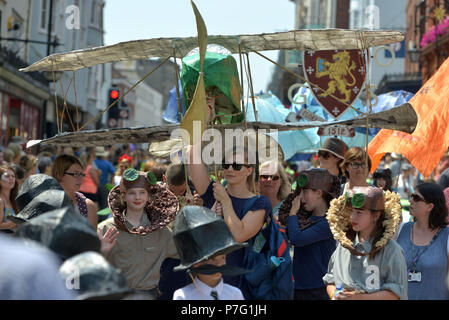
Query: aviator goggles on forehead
x=303, y=181
x=132, y=175
x=358, y=200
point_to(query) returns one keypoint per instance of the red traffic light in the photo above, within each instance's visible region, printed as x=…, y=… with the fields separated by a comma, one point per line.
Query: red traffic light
x=114, y=94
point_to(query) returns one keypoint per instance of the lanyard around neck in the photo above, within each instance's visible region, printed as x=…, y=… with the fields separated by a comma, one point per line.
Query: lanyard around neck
x=416, y=258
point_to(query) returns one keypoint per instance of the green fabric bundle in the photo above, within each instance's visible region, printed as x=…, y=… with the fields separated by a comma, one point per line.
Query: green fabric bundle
x=221, y=79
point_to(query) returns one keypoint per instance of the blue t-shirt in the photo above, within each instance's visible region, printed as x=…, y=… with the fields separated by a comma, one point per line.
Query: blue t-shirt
x=313, y=248
x=235, y=258
x=106, y=168
x=432, y=265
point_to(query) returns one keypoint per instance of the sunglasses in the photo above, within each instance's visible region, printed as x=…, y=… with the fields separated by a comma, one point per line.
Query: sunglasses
x=265, y=177
x=356, y=165
x=417, y=198
x=324, y=154
x=76, y=174
x=235, y=166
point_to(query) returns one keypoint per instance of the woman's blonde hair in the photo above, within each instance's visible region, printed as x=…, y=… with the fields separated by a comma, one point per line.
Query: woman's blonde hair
x=62, y=163
x=286, y=186
x=27, y=162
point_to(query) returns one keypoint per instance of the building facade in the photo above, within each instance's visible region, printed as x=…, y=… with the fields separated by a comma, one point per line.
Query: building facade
x=27, y=100
x=145, y=103
x=429, y=44
x=76, y=24
x=22, y=96
x=309, y=14
x=384, y=15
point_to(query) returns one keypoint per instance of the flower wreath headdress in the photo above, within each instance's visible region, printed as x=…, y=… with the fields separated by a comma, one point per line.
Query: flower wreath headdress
x=339, y=211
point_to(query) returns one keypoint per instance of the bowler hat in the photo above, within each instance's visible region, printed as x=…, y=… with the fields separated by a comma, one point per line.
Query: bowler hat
x=200, y=234
x=63, y=231
x=94, y=276
x=39, y=194
x=335, y=146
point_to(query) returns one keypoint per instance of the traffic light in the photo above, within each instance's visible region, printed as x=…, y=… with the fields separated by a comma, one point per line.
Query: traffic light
x=123, y=110
x=113, y=114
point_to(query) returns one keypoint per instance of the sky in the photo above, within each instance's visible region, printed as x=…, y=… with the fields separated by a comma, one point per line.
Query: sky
x=126, y=20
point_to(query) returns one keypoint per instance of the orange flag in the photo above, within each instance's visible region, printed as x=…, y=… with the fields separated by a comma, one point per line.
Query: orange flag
x=427, y=144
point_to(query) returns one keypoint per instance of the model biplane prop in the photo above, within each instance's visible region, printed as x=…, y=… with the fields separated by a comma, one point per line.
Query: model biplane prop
x=338, y=58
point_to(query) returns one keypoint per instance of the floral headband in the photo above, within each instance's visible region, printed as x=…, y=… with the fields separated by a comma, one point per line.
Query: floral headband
x=339, y=211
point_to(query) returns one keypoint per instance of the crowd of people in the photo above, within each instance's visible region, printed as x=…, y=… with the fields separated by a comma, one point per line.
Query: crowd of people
x=352, y=234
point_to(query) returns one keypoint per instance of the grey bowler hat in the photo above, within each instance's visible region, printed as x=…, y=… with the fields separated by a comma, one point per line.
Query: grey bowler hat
x=335, y=146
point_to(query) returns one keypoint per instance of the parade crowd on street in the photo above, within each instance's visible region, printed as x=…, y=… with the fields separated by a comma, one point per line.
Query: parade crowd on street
x=116, y=223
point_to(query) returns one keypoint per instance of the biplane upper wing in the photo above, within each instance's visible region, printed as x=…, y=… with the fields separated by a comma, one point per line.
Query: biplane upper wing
x=323, y=39
x=402, y=118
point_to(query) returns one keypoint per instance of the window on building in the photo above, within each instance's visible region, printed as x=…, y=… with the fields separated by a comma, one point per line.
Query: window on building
x=43, y=14
x=45, y=7
x=322, y=13
x=54, y=15
x=93, y=12
x=0, y=22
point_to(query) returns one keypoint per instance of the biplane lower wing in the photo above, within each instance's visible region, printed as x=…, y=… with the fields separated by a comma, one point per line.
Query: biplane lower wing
x=401, y=118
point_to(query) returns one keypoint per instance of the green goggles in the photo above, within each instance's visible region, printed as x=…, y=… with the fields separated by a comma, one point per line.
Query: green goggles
x=358, y=200
x=132, y=175
x=302, y=180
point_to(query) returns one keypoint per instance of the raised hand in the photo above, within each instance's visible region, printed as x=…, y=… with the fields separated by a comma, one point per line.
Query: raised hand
x=108, y=239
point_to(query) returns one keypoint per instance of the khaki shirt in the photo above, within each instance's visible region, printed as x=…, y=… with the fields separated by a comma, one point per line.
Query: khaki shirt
x=139, y=257
x=387, y=271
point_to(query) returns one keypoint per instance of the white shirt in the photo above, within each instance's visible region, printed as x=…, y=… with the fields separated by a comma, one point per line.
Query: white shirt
x=191, y=292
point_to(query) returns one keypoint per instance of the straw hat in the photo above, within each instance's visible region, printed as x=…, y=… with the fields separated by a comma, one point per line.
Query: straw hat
x=101, y=152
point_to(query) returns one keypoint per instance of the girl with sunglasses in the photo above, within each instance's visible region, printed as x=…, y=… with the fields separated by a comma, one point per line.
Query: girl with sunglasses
x=273, y=183
x=8, y=192
x=426, y=244
x=243, y=211
x=304, y=213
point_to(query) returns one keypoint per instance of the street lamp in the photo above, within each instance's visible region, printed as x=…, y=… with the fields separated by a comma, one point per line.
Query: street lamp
x=414, y=54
